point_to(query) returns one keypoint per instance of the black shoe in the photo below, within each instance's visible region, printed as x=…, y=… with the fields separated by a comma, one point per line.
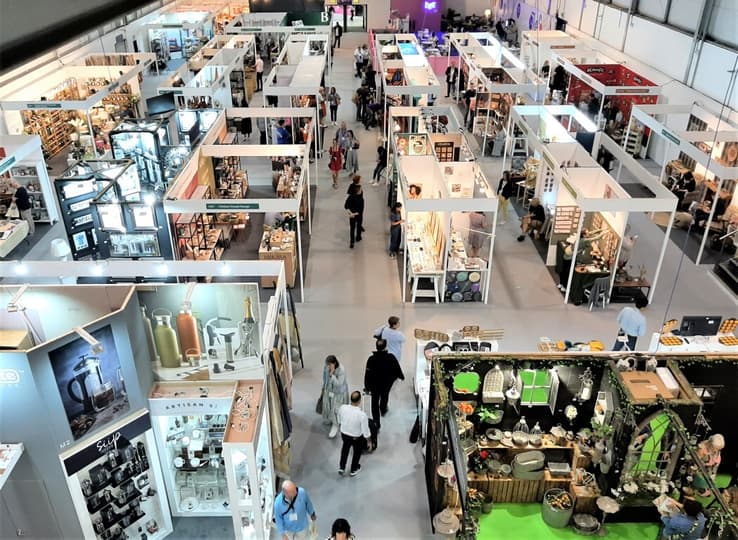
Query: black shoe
x=521, y=238
x=354, y=473
x=363, y=229
x=351, y=246
x=358, y=239
x=384, y=412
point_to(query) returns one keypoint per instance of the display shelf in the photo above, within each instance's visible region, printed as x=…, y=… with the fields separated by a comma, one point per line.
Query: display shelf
x=279, y=245
x=247, y=453
x=231, y=180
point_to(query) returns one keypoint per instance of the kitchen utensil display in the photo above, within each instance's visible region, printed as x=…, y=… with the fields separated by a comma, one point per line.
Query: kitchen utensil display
x=149, y=335
x=94, y=393
x=187, y=330
x=166, y=339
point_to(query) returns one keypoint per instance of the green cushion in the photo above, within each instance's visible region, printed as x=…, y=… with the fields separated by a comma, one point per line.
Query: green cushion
x=467, y=382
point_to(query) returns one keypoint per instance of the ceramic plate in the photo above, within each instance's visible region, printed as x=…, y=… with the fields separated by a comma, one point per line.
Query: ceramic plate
x=457, y=297
x=474, y=277
x=475, y=287
x=477, y=296
x=178, y=462
x=462, y=276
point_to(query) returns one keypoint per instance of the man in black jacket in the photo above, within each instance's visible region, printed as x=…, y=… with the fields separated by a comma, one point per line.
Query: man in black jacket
x=354, y=206
x=382, y=370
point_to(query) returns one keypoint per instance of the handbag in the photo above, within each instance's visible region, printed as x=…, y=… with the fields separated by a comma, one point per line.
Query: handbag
x=319, y=404
x=378, y=335
x=12, y=212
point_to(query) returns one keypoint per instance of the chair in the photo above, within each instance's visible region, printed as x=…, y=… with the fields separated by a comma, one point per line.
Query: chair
x=599, y=292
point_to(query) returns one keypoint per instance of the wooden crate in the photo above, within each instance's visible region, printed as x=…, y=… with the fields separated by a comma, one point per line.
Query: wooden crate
x=516, y=490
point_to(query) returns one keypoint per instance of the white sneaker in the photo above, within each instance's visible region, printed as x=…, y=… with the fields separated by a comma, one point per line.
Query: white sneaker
x=333, y=432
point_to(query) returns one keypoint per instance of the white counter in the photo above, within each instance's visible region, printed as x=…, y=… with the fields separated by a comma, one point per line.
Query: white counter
x=10, y=454
x=692, y=344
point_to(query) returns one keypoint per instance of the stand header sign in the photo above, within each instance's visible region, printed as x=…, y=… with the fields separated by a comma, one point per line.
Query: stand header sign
x=110, y=441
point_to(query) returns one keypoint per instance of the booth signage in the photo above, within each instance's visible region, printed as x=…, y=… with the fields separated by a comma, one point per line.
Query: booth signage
x=632, y=91
x=569, y=187
x=595, y=70
x=586, y=79
x=99, y=447
x=562, y=47
x=673, y=138
x=43, y=106
x=188, y=406
x=6, y=164
x=231, y=206
x=9, y=376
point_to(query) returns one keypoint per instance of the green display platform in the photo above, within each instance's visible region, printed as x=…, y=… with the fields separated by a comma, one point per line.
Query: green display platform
x=511, y=521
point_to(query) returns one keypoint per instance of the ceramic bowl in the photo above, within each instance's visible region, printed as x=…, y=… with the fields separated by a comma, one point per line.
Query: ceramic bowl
x=520, y=437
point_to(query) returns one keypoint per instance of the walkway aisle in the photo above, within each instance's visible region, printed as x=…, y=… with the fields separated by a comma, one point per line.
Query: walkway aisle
x=348, y=294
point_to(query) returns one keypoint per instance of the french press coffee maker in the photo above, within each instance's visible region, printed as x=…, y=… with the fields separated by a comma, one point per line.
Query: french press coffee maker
x=92, y=391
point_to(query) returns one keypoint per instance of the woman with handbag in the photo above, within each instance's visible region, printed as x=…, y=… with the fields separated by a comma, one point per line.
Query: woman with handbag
x=336, y=162
x=334, y=394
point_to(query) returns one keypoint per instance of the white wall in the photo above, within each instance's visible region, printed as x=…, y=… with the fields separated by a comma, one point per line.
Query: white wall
x=378, y=13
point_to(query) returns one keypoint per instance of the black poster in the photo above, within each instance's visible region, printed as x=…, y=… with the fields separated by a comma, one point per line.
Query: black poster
x=91, y=385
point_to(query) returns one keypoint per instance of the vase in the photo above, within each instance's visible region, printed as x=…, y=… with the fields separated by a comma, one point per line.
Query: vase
x=487, y=506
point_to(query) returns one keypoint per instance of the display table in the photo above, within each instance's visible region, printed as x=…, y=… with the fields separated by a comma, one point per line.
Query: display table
x=279, y=245
x=693, y=344
x=12, y=233
x=583, y=278
x=422, y=263
x=629, y=290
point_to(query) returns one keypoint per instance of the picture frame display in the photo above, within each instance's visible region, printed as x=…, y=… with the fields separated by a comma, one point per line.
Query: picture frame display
x=143, y=217
x=111, y=217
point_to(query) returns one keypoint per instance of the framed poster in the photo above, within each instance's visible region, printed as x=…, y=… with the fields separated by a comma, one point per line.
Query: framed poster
x=91, y=386
x=111, y=217
x=79, y=241
x=143, y=216
x=134, y=245
x=84, y=219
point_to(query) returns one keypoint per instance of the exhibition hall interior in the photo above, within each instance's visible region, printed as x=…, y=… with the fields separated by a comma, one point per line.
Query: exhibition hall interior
x=485, y=249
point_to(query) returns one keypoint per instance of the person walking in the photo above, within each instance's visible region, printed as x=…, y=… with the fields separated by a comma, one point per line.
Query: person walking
x=334, y=100
x=335, y=392
x=337, y=34
x=354, y=206
x=364, y=57
x=354, y=433
x=360, y=100
x=504, y=193
x=396, y=222
x=322, y=106
x=391, y=333
x=381, y=372
x=23, y=203
x=282, y=134
x=352, y=155
x=341, y=530
x=381, y=165
x=632, y=324
x=294, y=514
x=451, y=73
x=336, y=161
x=259, y=66
x=358, y=60
x=345, y=138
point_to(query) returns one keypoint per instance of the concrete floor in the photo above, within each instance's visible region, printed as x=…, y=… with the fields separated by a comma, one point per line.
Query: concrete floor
x=350, y=292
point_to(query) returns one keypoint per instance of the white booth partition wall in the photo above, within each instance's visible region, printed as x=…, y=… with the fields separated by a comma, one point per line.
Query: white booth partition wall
x=537, y=45
x=71, y=104
x=704, y=146
x=24, y=163
x=450, y=214
x=254, y=22
x=220, y=192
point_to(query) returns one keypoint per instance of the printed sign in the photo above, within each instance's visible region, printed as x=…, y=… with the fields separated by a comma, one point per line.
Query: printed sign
x=231, y=206
x=673, y=138
x=43, y=106
x=6, y=164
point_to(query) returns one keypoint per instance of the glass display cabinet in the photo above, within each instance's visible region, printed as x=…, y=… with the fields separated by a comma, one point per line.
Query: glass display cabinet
x=143, y=142
x=190, y=420
x=116, y=483
x=248, y=462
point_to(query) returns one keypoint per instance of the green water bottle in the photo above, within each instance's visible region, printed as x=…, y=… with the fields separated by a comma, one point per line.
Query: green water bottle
x=166, y=339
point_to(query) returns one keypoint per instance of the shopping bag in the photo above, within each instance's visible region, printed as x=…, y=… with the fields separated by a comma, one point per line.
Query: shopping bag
x=319, y=404
x=313, y=530
x=12, y=212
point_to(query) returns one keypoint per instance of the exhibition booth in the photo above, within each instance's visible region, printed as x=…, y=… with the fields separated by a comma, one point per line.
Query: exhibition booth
x=178, y=34
x=298, y=73
x=570, y=441
x=108, y=213
x=252, y=23
x=537, y=46
x=498, y=80
x=225, y=186
x=23, y=161
x=700, y=164
x=607, y=90
x=116, y=451
x=72, y=104
x=215, y=77
x=224, y=11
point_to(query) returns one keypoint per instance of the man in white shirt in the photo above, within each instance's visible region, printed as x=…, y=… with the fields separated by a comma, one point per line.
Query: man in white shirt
x=391, y=333
x=632, y=325
x=354, y=433
x=259, y=72
x=358, y=60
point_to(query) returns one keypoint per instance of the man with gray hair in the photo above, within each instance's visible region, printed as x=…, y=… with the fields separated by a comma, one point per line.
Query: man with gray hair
x=294, y=514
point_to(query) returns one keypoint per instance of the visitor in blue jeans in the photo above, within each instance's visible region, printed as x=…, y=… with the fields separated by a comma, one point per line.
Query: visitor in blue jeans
x=396, y=222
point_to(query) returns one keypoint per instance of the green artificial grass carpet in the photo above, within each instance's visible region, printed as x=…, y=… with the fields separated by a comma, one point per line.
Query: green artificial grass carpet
x=516, y=521
x=466, y=382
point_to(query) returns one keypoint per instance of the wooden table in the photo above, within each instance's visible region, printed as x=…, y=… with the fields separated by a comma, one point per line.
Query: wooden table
x=620, y=292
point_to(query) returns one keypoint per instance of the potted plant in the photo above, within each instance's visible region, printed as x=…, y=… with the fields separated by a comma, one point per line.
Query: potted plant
x=487, y=504
x=488, y=415
x=474, y=500
x=478, y=461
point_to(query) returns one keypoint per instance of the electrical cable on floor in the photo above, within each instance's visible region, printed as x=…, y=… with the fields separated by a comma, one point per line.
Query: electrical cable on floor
x=726, y=99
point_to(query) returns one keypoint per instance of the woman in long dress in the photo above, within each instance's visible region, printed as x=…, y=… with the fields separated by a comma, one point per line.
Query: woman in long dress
x=335, y=392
